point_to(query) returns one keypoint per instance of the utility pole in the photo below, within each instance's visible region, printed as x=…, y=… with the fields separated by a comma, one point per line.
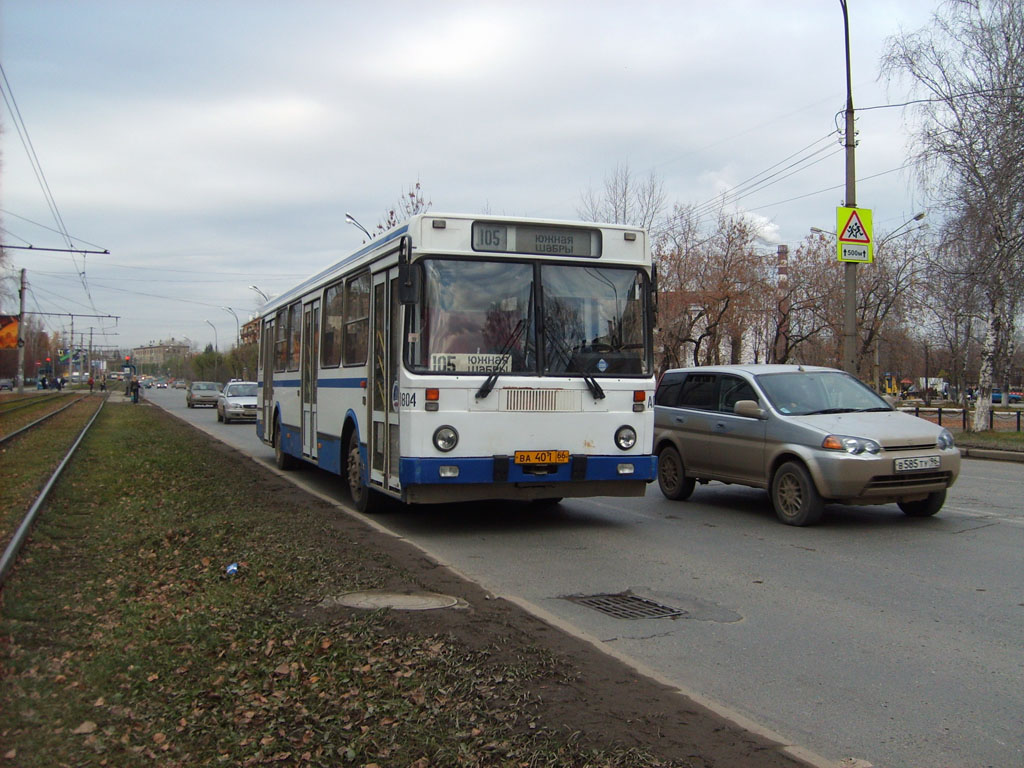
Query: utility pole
x=782, y=336
x=850, y=300
x=21, y=335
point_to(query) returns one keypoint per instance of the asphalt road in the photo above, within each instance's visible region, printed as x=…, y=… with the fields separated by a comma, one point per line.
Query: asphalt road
x=872, y=636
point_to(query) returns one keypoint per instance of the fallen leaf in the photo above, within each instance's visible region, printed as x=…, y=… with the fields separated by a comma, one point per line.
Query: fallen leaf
x=87, y=726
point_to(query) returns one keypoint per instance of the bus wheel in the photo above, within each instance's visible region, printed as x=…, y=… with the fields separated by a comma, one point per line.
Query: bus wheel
x=362, y=495
x=283, y=460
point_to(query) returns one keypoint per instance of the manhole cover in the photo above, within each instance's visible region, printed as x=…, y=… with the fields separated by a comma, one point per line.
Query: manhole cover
x=627, y=606
x=398, y=601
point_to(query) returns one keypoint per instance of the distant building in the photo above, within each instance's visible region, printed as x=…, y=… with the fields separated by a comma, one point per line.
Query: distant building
x=250, y=332
x=161, y=353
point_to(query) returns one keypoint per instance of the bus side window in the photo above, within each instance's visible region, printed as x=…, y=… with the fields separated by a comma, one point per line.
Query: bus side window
x=281, y=342
x=330, y=352
x=294, y=335
x=357, y=319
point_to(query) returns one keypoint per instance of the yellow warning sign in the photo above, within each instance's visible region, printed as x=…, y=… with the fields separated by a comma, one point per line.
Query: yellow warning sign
x=854, y=242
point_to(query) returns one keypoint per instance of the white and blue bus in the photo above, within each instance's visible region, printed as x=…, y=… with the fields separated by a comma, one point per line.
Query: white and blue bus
x=463, y=357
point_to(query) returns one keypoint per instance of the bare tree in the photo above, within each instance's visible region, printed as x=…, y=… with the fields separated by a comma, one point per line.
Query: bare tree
x=624, y=200
x=951, y=301
x=711, y=284
x=886, y=292
x=803, y=306
x=409, y=204
x=968, y=66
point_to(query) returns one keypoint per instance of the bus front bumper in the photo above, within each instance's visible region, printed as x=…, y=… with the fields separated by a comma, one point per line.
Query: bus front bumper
x=444, y=479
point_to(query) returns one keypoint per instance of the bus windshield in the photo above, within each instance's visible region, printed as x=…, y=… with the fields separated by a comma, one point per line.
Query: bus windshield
x=482, y=317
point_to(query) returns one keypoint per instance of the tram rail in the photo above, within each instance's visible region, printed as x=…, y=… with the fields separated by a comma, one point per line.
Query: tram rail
x=40, y=420
x=18, y=539
x=16, y=403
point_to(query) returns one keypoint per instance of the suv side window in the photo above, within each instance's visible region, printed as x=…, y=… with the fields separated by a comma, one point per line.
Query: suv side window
x=668, y=389
x=700, y=390
x=734, y=389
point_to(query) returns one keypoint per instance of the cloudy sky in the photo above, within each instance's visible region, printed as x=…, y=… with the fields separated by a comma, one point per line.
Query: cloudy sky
x=211, y=145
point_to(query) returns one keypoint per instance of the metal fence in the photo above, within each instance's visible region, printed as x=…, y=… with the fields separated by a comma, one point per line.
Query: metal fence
x=1002, y=421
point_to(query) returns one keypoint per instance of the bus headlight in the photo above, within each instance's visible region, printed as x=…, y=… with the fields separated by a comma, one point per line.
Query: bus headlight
x=445, y=438
x=625, y=437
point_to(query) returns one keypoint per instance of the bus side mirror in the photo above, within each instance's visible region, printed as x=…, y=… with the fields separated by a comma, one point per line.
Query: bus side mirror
x=408, y=292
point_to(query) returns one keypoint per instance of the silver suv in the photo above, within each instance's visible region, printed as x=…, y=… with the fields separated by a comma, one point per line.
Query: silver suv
x=807, y=435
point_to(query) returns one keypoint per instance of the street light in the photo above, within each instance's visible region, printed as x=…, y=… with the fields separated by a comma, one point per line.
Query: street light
x=906, y=223
x=238, y=332
x=353, y=222
x=261, y=293
x=215, y=345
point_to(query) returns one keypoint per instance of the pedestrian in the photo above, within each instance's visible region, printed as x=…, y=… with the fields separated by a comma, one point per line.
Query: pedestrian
x=91, y=382
x=135, y=389
x=103, y=384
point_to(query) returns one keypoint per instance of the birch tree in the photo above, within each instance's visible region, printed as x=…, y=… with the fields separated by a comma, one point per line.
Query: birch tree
x=967, y=71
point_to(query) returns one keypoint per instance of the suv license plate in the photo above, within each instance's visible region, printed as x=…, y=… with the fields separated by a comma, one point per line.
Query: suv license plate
x=920, y=462
x=542, y=457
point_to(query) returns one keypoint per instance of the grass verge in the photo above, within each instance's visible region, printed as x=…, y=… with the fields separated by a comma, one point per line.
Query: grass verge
x=123, y=640
x=1003, y=441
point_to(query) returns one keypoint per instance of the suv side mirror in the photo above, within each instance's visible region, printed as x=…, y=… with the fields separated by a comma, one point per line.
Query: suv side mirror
x=750, y=409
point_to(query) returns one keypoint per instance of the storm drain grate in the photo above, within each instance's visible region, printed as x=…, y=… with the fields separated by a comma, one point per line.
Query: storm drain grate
x=627, y=606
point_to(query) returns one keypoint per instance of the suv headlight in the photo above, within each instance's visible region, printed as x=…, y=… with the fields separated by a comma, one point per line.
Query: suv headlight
x=854, y=445
x=945, y=440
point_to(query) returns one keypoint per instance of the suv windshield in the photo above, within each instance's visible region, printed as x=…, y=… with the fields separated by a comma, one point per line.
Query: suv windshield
x=482, y=317
x=802, y=393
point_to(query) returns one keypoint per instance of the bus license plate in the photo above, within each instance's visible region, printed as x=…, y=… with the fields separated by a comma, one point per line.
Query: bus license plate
x=920, y=462
x=542, y=457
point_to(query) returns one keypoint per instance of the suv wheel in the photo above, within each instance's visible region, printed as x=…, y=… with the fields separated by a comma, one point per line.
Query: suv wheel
x=794, y=496
x=672, y=477
x=925, y=507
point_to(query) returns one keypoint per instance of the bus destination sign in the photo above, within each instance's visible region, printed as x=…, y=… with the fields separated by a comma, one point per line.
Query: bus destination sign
x=537, y=240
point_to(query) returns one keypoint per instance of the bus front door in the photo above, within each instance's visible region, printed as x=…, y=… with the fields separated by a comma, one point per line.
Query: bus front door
x=382, y=441
x=310, y=360
x=267, y=372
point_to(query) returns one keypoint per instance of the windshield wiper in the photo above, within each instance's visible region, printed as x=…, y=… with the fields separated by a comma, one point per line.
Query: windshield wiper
x=506, y=350
x=831, y=410
x=590, y=381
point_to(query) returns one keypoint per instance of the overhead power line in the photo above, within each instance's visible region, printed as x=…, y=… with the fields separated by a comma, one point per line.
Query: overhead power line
x=37, y=169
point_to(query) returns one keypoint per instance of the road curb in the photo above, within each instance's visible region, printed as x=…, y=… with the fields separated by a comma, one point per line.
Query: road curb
x=992, y=454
